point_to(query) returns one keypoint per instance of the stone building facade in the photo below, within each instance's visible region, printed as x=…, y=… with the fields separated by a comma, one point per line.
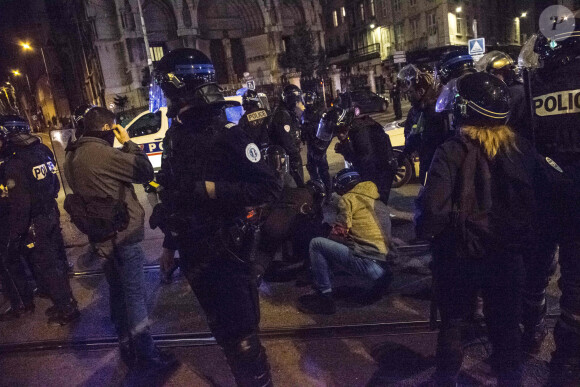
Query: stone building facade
x=240, y=36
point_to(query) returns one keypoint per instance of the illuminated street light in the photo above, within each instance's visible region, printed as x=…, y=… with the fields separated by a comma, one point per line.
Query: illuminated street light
x=16, y=72
x=26, y=46
x=372, y=25
x=458, y=9
x=524, y=14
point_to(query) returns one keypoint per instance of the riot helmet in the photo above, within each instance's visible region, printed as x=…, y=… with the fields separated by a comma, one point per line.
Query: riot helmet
x=187, y=77
x=498, y=63
x=79, y=116
x=318, y=191
x=292, y=95
x=476, y=99
x=332, y=121
x=541, y=52
x=310, y=98
x=251, y=100
x=416, y=80
x=14, y=129
x=275, y=156
x=345, y=180
x=453, y=65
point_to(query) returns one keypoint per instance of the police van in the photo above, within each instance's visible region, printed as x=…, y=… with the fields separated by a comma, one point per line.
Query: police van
x=148, y=129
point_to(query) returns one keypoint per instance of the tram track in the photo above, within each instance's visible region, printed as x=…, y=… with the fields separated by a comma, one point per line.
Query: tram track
x=195, y=339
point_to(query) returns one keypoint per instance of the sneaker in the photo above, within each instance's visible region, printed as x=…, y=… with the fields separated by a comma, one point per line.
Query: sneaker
x=533, y=338
x=65, y=316
x=317, y=303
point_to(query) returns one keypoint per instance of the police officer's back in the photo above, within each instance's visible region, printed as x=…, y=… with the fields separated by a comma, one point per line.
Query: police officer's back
x=255, y=119
x=555, y=85
x=211, y=171
x=285, y=129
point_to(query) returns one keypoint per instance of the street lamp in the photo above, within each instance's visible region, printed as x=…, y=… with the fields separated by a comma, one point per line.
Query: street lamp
x=458, y=9
x=524, y=14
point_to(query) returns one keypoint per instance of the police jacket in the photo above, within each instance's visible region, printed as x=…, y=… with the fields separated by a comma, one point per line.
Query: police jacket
x=209, y=149
x=255, y=123
x=285, y=131
x=94, y=168
x=504, y=202
x=311, y=118
x=368, y=148
x=556, y=103
x=30, y=175
x=518, y=119
x=427, y=130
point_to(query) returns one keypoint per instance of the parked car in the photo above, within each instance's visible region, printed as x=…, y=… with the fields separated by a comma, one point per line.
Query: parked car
x=148, y=129
x=362, y=101
x=409, y=167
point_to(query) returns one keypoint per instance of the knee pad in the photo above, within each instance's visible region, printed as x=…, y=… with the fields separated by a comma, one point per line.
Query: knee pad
x=245, y=349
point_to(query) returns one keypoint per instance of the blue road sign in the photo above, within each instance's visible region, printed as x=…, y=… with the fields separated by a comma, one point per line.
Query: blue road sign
x=476, y=46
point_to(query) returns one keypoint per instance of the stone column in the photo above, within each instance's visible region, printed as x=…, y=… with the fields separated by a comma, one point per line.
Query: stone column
x=336, y=84
x=229, y=60
x=371, y=79
x=294, y=78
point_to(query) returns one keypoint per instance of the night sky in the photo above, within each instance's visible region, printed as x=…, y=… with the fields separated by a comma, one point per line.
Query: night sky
x=14, y=24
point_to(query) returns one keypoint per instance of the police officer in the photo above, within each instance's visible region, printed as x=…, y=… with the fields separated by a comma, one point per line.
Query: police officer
x=255, y=119
x=452, y=65
x=285, y=129
x=364, y=144
x=211, y=171
x=501, y=65
x=556, y=115
x=33, y=186
x=425, y=129
x=316, y=161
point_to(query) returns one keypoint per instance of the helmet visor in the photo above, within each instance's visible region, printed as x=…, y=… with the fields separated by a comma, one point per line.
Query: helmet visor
x=528, y=58
x=408, y=75
x=328, y=124
x=447, y=97
x=494, y=60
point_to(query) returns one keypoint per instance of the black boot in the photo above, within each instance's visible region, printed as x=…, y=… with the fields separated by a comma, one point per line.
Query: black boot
x=378, y=290
x=150, y=361
x=249, y=363
x=15, y=313
x=64, y=315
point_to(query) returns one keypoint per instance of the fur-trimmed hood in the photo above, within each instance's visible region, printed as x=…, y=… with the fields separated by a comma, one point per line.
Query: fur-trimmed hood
x=492, y=139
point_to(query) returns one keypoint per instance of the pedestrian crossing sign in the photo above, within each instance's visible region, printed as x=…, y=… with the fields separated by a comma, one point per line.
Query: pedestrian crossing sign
x=476, y=46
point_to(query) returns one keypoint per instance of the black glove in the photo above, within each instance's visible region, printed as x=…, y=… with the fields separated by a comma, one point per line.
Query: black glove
x=158, y=217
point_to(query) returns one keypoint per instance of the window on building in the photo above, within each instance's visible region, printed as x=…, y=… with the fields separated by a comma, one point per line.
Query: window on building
x=334, y=18
x=361, y=8
x=399, y=35
x=415, y=28
x=342, y=14
x=413, y=2
x=431, y=23
x=372, y=4
x=384, y=8
x=396, y=5
x=468, y=26
x=459, y=26
x=156, y=53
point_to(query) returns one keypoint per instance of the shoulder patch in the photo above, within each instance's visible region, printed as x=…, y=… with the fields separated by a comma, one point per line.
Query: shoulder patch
x=287, y=128
x=253, y=153
x=257, y=115
x=554, y=165
x=229, y=125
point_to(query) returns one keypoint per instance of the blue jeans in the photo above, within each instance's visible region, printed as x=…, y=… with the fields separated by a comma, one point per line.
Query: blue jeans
x=124, y=273
x=326, y=255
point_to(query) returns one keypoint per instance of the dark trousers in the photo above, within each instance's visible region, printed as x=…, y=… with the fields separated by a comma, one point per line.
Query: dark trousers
x=46, y=258
x=384, y=183
x=227, y=292
x=317, y=166
x=15, y=282
x=500, y=277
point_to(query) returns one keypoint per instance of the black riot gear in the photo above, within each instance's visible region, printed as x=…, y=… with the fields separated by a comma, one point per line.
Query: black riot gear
x=275, y=156
x=332, y=121
x=12, y=126
x=500, y=64
x=310, y=98
x=476, y=99
x=345, y=180
x=453, y=65
x=78, y=118
x=212, y=171
x=251, y=100
x=187, y=77
x=291, y=95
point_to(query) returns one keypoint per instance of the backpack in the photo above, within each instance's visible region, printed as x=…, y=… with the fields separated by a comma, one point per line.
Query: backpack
x=472, y=204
